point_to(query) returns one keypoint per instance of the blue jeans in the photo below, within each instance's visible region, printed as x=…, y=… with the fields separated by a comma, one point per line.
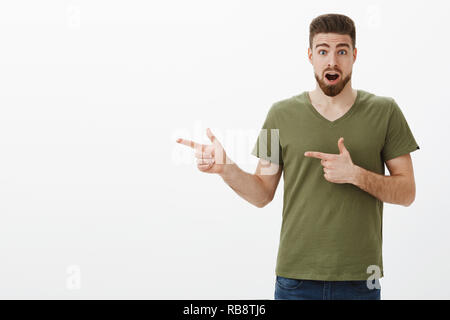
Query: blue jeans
x=299, y=289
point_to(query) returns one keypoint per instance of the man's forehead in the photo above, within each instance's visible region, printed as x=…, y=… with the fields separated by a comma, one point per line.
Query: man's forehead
x=331, y=39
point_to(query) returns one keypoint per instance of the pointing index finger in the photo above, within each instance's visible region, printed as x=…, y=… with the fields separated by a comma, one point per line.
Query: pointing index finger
x=190, y=143
x=319, y=155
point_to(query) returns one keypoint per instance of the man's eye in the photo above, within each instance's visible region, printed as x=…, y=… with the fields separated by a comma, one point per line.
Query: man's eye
x=344, y=52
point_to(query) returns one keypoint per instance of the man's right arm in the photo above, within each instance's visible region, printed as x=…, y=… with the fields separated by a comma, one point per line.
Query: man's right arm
x=259, y=188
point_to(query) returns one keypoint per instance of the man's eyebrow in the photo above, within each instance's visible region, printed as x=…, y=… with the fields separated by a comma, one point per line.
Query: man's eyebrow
x=339, y=45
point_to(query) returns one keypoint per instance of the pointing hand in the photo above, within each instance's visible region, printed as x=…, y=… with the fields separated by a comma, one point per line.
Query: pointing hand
x=338, y=168
x=210, y=158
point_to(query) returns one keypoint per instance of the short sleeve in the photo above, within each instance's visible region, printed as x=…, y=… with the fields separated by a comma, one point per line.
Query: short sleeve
x=399, y=138
x=268, y=145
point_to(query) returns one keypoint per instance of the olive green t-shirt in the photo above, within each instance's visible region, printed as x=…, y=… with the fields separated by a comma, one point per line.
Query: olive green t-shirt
x=331, y=231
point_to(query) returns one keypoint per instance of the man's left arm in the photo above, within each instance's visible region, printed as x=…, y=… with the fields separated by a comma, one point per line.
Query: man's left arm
x=398, y=188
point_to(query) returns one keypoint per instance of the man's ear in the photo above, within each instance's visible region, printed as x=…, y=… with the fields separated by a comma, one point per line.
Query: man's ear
x=309, y=55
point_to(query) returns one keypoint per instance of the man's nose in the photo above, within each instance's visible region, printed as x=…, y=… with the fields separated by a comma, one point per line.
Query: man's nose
x=332, y=61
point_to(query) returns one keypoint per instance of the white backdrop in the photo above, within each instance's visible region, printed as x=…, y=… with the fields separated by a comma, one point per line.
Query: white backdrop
x=97, y=200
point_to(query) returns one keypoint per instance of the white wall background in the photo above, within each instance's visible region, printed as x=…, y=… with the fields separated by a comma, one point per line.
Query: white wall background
x=97, y=200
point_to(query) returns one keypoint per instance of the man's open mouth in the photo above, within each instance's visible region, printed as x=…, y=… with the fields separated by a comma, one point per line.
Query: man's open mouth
x=332, y=76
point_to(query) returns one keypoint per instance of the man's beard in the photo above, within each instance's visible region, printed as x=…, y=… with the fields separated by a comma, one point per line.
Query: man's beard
x=335, y=89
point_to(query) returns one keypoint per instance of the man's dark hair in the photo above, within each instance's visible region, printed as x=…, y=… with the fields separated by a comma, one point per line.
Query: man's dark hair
x=332, y=23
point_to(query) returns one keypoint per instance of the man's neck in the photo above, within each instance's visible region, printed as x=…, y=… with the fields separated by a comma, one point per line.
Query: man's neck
x=342, y=101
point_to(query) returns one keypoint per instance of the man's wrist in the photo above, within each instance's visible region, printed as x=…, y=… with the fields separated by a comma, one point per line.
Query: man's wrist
x=357, y=175
x=227, y=170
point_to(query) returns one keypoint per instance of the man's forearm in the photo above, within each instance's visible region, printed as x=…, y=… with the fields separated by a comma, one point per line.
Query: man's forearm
x=248, y=186
x=395, y=189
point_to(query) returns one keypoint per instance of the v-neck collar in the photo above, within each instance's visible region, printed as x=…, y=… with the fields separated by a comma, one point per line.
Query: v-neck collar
x=338, y=120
